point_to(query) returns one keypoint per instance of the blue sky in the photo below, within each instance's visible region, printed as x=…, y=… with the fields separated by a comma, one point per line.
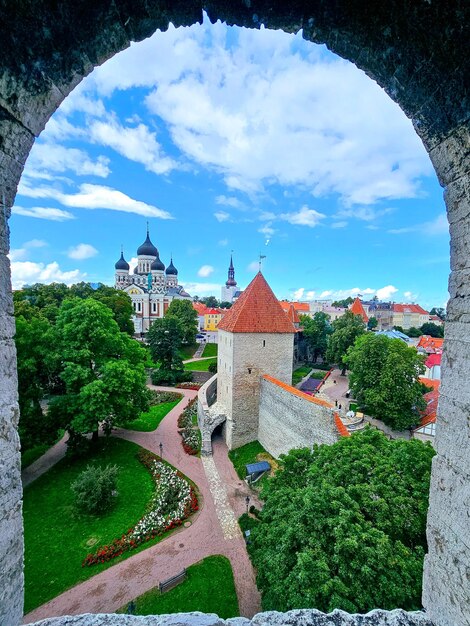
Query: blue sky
x=232, y=139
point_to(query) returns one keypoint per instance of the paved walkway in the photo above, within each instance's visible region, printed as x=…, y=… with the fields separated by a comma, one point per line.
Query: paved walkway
x=45, y=462
x=212, y=532
x=335, y=389
x=203, y=358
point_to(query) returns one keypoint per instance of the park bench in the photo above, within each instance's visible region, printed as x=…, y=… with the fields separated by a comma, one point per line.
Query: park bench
x=172, y=582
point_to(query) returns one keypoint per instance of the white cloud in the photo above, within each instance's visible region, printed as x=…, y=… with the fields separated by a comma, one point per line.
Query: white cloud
x=20, y=254
x=303, y=217
x=222, y=242
x=47, y=157
x=17, y=254
x=253, y=266
x=95, y=197
x=36, y=243
x=43, y=213
x=82, y=251
x=339, y=225
x=297, y=295
x=136, y=143
x=202, y=289
x=267, y=230
x=221, y=216
x=27, y=273
x=132, y=264
x=229, y=201
x=364, y=213
x=385, y=293
x=410, y=296
x=438, y=226
x=205, y=271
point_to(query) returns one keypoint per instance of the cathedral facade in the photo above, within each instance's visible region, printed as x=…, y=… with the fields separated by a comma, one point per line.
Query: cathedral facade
x=151, y=286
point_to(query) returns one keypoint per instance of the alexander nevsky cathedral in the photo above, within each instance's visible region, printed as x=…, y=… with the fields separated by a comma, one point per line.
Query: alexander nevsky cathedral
x=151, y=286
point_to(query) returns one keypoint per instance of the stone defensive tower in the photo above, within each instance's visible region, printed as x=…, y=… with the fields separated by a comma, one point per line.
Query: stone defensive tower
x=255, y=338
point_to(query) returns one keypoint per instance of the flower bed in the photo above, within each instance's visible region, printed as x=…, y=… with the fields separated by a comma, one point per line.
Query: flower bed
x=174, y=501
x=193, y=386
x=191, y=440
x=185, y=420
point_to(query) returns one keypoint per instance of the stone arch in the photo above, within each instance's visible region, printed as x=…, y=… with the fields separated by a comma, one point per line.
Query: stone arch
x=415, y=50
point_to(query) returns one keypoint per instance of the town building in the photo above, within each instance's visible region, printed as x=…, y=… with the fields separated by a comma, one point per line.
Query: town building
x=212, y=318
x=151, y=286
x=409, y=315
x=426, y=429
x=230, y=291
x=358, y=309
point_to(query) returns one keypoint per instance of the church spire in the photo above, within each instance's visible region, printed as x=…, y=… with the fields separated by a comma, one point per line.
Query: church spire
x=231, y=282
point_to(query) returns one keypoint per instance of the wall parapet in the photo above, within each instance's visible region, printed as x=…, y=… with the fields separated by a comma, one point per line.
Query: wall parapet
x=300, y=617
x=210, y=413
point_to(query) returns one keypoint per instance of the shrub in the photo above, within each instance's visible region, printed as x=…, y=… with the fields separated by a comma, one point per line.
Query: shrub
x=317, y=375
x=95, y=489
x=254, y=511
x=213, y=368
x=159, y=397
x=170, y=377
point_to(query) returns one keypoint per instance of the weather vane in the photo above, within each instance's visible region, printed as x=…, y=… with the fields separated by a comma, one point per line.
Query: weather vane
x=261, y=257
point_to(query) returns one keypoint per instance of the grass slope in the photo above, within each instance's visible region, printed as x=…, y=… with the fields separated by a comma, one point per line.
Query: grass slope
x=300, y=373
x=150, y=420
x=246, y=454
x=209, y=588
x=210, y=349
x=200, y=366
x=57, y=537
x=187, y=352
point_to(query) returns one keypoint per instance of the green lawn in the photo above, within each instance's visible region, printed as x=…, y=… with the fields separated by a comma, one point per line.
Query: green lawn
x=187, y=352
x=58, y=538
x=150, y=420
x=300, y=373
x=32, y=454
x=200, y=366
x=247, y=454
x=209, y=587
x=210, y=349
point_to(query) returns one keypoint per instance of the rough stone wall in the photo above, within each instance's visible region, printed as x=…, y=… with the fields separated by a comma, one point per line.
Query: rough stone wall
x=11, y=523
x=288, y=420
x=416, y=51
x=210, y=414
x=446, y=584
x=225, y=370
x=302, y=617
x=254, y=354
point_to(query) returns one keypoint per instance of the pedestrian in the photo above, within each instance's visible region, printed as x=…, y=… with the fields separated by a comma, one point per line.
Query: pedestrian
x=339, y=407
x=336, y=403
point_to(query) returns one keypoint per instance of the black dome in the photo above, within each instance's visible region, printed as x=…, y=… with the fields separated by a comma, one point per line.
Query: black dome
x=147, y=248
x=122, y=264
x=171, y=269
x=157, y=264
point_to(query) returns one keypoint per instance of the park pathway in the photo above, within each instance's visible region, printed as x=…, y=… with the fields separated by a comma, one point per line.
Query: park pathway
x=212, y=532
x=45, y=462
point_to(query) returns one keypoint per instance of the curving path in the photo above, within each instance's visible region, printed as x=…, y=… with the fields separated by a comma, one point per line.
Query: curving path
x=212, y=532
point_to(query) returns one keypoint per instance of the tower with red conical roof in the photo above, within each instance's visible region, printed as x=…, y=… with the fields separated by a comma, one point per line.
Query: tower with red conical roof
x=255, y=337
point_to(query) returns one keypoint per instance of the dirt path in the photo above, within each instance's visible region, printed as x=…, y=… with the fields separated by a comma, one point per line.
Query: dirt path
x=212, y=532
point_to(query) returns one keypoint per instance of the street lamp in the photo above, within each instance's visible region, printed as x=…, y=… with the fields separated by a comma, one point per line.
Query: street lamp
x=247, y=502
x=161, y=450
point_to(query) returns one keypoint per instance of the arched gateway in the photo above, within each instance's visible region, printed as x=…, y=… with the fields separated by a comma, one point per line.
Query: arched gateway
x=417, y=50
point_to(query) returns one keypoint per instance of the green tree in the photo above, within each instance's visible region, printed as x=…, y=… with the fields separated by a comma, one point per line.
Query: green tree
x=384, y=378
x=372, y=323
x=346, y=329
x=429, y=328
x=316, y=331
x=186, y=314
x=210, y=301
x=439, y=311
x=102, y=369
x=118, y=301
x=225, y=305
x=343, y=303
x=344, y=526
x=165, y=339
x=414, y=332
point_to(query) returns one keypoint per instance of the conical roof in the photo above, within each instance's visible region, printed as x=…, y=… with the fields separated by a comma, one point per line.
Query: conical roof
x=257, y=310
x=171, y=269
x=358, y=309
x=147, y=248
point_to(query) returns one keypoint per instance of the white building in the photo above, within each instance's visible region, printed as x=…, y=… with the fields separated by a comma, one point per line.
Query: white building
x=151, y=286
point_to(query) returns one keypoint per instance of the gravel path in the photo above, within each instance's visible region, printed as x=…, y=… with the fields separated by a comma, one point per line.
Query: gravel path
x=213, y=531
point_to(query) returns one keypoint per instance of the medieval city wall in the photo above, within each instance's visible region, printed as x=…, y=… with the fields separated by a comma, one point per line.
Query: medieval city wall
x=291, y=419
x=252, y=356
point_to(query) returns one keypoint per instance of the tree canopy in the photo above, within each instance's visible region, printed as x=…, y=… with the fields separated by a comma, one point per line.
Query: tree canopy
x=346, y=329
x=165, y=338
x=186, y=315
x=384, y=379
x=316, y=331
x=434, y=330
x=343, y=303
x=102, y=369
x=344, y=526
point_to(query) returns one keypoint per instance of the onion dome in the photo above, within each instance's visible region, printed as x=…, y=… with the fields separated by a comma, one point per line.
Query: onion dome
x=157, y=265
x=147, y=248
x=122, y=264
x=171, y=269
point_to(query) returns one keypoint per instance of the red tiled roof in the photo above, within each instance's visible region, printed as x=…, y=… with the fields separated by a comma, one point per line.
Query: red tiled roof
x=257, y=310
x=428, y=416
x=358, y=309
x=433, y=359
x=292, y=315
x=200, y=307
x=430, y=344
x=340, y=427
x=214, y=311
x=298, y=306
x=409, y=308
x=297, y=392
